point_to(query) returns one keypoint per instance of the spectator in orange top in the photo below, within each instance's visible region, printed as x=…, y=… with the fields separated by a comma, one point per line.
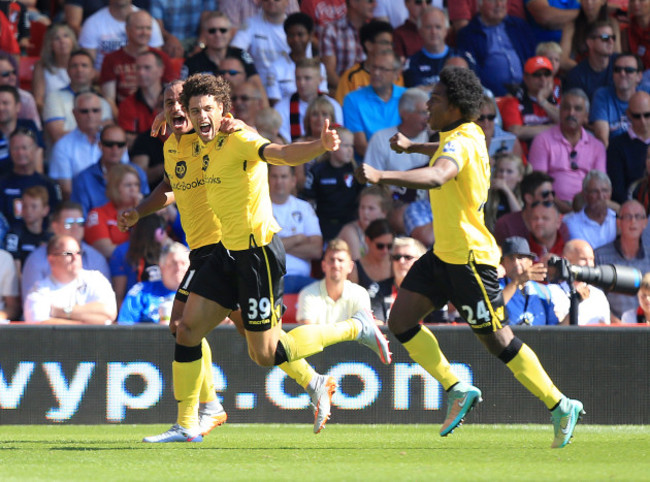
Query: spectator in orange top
x=123, y=191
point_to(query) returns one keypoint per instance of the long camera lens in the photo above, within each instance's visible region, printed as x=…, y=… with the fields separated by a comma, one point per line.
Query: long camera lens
x=609, y=277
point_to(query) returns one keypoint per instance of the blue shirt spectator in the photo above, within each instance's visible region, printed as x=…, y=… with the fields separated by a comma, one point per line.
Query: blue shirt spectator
x=142, y=303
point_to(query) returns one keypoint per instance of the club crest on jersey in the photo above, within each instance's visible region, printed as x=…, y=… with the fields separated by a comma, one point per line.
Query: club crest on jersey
x=450, y=147
x=348, y=179
x=196, y=148
x=204, y=163
x=181, y=169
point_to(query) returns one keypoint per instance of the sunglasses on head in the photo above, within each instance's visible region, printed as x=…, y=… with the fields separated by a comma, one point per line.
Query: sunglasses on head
x=627, y=70
x=384, y=245
x=7, y=73
x=214, y=30
x=399, y=257
x=638, y=115
x=484, y=117
x=110, y=144
x=546, y=204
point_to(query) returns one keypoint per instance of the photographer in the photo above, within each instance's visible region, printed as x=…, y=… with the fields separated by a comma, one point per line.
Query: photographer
x=593, y=307
x=528, y=302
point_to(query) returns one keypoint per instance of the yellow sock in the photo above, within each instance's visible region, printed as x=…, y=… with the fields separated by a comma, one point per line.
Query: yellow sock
x=424, y=349
x=308, y=340
x=207, y=385
x=531, y=374
x=299, y=370
x=187, y=379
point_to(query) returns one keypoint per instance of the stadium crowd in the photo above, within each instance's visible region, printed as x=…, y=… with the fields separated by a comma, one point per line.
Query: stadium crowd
x=566, y=115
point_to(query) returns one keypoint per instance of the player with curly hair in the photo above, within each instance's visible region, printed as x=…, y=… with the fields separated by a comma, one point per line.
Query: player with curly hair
x=462, y=267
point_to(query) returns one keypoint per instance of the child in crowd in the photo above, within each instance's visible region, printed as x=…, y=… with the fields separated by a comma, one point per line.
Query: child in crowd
x=29, y=233
x=331, y=184
x=553, y=52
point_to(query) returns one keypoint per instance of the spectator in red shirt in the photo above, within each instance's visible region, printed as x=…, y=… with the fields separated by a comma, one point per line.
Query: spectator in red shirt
x=123, y=191
x=118, y=76
x=138, y=110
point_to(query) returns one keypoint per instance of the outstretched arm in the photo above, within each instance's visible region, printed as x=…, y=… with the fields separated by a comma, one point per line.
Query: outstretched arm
x=428, y=177
x=301, y=152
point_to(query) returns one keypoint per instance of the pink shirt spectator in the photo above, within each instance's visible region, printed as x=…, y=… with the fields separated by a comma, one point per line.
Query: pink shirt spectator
x=550, y=152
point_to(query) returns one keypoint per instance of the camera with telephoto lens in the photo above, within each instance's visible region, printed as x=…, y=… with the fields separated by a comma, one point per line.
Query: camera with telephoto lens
x=608, y=277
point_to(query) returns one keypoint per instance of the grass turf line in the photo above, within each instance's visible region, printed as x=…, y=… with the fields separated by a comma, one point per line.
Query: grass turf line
x=340, y=452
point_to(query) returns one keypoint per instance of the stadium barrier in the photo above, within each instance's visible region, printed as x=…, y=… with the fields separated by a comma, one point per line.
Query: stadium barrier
x=95, y=375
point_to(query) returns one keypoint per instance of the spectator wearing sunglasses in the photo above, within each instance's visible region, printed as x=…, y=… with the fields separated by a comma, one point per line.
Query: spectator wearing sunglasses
x=71, y=294
x=67, y=219
x=374, y=270
x=608, y=114
x=567, y=152
x=628, y=249
x=532, y=108
x=499, y=43
x=596, y=67
x=89, y=186
x=535, y=187
x=626, y=154
x=79, y=148
x=216, y=34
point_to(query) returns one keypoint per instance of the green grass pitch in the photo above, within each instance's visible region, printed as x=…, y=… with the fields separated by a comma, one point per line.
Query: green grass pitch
x=340, y=452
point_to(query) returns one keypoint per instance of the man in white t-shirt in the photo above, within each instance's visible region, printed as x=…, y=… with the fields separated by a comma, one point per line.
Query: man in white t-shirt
x=70, y=294
x=593, y=307
x=300, y=234
x=105, y=30
x=265, y=39
x=334, y=298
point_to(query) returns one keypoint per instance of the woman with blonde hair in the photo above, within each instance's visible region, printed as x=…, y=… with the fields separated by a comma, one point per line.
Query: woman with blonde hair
x=374, y=203
x=51, y=71
x=123, y=192
x=317, y=111
x=504, y=195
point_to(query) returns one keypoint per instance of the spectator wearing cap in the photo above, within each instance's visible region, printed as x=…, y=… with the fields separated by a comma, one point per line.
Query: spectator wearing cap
x=527, y=300
x=532, y=109
x=567, y=152
x=500, y=45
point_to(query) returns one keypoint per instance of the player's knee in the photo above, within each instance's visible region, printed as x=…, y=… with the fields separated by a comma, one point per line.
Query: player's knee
x=185, y=336
x=263, y=359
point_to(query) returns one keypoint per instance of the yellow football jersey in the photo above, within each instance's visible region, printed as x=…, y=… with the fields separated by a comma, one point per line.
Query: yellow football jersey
x=184, y=167
x=236, y=180
x=458, y=205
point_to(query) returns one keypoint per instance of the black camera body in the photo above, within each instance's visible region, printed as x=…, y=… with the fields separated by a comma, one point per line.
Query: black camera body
x=608, y=277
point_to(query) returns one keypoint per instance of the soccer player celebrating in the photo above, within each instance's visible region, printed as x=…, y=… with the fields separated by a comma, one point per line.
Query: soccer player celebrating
x=205, y=305
x=461, y=268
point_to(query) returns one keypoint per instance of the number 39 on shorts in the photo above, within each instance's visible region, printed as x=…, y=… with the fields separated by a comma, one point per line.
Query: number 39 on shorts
x=259, y=309
x=478, y=315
